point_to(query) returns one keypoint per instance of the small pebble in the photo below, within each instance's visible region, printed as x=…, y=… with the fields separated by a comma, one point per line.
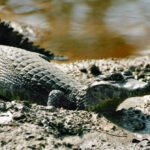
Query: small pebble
x=95, y=70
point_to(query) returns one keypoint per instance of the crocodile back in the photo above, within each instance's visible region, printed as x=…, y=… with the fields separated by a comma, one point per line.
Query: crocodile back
x=26, y=75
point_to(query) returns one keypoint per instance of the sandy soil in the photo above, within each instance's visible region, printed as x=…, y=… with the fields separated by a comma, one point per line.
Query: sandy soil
x=27, y=126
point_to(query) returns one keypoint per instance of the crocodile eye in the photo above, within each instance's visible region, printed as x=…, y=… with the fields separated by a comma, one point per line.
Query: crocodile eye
x=95, y=92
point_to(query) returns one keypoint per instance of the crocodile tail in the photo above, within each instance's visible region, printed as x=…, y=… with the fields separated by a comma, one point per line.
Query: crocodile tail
x=10, y=37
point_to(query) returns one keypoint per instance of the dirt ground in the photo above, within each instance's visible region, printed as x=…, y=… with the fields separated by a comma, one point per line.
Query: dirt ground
x=27, y=126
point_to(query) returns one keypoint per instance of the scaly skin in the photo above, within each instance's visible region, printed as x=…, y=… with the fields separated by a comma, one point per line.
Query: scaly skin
x=27, y=76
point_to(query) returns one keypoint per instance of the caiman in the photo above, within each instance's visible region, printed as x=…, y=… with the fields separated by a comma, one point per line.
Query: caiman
x=26, y=75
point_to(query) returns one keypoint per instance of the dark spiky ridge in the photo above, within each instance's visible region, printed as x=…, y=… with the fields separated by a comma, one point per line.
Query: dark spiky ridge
x=10, y=37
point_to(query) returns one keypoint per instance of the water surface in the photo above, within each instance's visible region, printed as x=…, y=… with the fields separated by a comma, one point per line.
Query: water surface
x=85, y=29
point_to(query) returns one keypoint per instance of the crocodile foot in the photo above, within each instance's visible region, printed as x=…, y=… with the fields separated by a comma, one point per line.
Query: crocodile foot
x=55, y=97
x=58, y=99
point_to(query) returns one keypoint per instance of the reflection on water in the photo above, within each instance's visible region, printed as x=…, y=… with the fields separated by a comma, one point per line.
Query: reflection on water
x=84, y=29
x=132, y=20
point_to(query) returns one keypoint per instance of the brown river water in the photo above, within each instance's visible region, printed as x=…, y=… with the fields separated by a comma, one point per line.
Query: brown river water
x=85, y=29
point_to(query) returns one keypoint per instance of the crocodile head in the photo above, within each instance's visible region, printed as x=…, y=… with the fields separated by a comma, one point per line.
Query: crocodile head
x=108, y=95
x=102, y=95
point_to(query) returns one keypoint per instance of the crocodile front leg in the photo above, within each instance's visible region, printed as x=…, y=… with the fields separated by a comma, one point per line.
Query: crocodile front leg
x=57, y=98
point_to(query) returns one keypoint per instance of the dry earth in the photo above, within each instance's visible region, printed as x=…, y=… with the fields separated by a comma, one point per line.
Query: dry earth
x=27, y=126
